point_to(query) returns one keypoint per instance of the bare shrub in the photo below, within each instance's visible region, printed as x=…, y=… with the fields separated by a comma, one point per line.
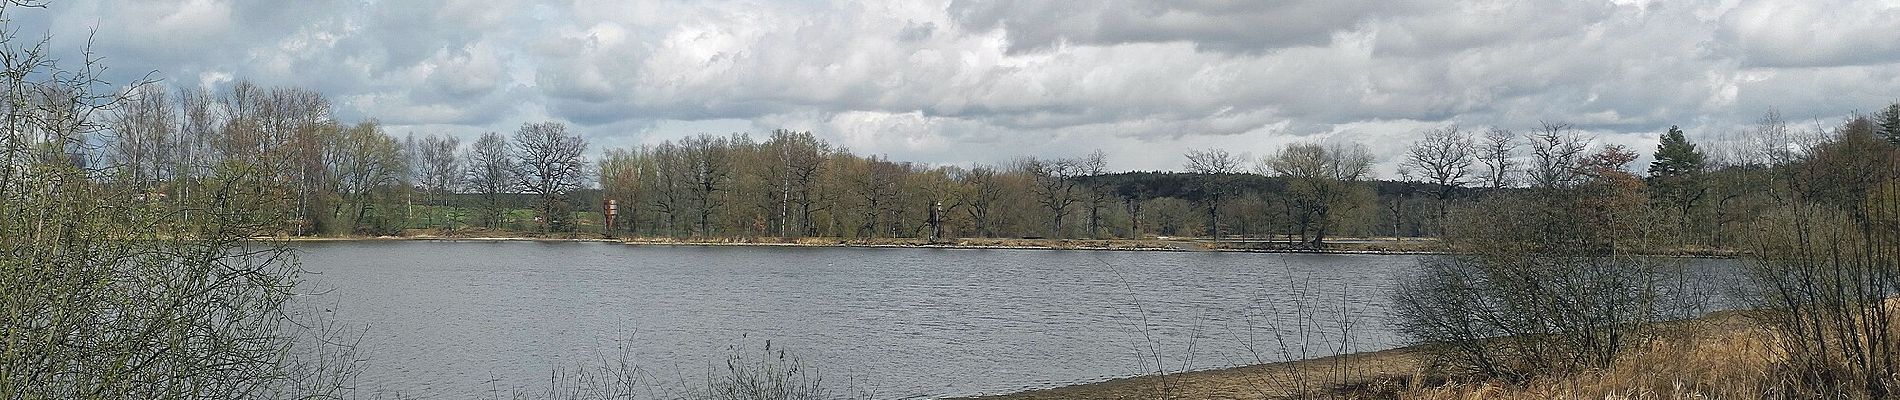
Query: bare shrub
x=1547, y=281
x=111, y=288
x=1309, y=326
x=1518, y=317
x=1829, y=265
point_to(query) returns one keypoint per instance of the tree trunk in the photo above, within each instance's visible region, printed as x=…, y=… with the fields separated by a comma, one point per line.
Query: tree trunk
x=1095, y=219
x=1213, y=219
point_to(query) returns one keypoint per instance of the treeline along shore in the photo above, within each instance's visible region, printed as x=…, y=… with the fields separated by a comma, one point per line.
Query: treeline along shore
x=338, y=178
x=1347, y=246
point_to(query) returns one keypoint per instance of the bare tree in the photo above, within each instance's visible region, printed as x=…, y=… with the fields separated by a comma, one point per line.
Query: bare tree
x=1320, y=180
x=669, y=181
x=1773, y=142
x=366, y=163
x=622, y=179
x=1496, y=152
x=198, y=127
x=296, y=130
x=145, y=142
x=1215, y=167
x=798, y=158
x=1094, y=165
x=1555, y=150
x=876, y=182
x=241, y=135
x=289, y=129
x=1214, y=161
x=982, y=191
x=1443, y=157
x=1738, y=195
x=1054, y=187
x=708, y=168
x=1133, y=196
x=491, y=175
x=551, y=167
x=440, y=168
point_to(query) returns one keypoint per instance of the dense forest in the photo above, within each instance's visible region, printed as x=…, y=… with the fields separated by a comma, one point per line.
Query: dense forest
x=344, y=178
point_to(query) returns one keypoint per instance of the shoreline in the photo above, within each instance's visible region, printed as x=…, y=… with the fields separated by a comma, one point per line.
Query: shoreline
x=1412, y=246
x=1388, y=369
x=1346, y=246
x=295, y=239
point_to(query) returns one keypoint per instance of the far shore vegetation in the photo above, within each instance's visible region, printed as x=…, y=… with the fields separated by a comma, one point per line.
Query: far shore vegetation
x=131, y=264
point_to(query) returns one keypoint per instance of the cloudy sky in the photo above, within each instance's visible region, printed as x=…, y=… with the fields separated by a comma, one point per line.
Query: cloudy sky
x=980, y=81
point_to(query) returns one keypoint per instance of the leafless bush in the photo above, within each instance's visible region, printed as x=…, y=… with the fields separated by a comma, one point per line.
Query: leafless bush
x=1308, y=326
x=1153, y=363
x=1829, y=265
x=1302, y=323
x=1547, y=281
x=1518, y=317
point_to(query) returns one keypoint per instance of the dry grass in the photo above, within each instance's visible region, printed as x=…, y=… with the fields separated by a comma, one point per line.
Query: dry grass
x=1723, y=356
x=1368, y=375
x=1726, y=355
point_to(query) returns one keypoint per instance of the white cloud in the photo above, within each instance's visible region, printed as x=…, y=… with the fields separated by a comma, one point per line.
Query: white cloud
x=1813, y=33
x=977, y=81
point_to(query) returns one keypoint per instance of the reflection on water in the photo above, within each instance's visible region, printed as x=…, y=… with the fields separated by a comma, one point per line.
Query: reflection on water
x=454, y=319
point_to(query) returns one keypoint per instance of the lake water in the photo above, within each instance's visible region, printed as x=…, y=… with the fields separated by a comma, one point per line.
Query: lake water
x=461, y=319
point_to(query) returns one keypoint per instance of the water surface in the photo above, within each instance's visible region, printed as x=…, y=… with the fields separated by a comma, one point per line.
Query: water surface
x=460, y=319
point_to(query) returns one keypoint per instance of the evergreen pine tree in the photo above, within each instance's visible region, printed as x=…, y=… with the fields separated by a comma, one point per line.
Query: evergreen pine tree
x=1890, y=123
x=1675, y=157
x=1676, y=176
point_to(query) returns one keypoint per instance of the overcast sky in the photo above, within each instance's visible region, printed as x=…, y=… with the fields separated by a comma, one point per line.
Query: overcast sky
x=962, y=82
